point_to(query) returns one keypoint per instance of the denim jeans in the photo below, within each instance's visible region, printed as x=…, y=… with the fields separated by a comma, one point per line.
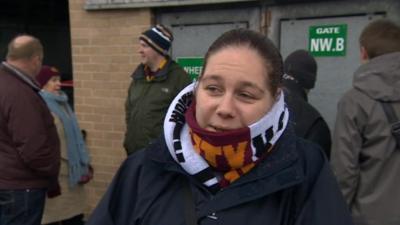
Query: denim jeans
x=22, y=207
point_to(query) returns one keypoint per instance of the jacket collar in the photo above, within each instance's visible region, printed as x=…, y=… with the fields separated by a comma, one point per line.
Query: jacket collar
x=161, y=75
x=20, y=75
x=283, y=158
x=281, y=169
x=294, y=89
x=378, y=78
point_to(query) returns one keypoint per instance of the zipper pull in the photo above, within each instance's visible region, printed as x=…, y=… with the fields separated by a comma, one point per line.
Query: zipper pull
x=212, y=216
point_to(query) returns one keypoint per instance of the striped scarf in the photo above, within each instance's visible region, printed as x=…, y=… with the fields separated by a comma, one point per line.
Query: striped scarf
x=150, y=75
x=232, y=154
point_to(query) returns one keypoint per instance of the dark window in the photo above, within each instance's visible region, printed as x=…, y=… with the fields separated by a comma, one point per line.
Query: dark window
x=47, y=20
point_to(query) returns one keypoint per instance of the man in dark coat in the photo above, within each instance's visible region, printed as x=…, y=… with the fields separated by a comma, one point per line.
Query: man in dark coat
x=29, y=144
x=300, y=76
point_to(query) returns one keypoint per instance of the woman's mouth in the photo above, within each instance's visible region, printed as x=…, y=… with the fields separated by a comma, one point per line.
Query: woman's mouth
x=218, y=128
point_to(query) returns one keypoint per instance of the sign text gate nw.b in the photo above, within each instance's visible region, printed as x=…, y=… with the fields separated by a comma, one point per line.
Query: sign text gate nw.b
x=328, y=40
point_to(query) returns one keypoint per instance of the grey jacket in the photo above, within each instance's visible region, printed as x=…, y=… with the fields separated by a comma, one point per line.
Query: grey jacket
x=363, y=156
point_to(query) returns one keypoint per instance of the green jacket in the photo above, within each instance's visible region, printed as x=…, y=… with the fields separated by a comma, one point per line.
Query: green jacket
x=147, y=103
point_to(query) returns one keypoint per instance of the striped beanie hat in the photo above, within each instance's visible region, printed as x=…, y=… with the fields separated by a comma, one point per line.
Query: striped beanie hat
x=159, y=38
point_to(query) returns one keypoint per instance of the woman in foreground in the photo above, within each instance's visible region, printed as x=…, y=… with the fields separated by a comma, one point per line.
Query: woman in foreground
x=228, y=155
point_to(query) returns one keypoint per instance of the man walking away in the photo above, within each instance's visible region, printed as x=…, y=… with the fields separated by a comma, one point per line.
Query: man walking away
x=364, y=154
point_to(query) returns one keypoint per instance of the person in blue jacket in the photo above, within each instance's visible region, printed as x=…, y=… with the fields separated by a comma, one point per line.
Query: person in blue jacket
x=228, y=154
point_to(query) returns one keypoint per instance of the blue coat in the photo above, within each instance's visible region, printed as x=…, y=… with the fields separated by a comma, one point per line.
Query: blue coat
x=293, y=185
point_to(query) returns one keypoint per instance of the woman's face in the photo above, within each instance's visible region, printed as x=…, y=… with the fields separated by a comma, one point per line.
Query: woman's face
x=233, y=91
x=53, y=85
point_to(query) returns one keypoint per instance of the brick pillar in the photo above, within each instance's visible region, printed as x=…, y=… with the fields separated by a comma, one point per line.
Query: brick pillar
x=104, y=54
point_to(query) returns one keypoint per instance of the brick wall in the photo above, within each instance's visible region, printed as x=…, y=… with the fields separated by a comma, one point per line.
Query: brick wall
x=104, y=54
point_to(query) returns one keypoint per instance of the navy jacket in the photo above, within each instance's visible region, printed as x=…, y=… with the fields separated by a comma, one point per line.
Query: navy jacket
x=308, y=122
x=294, y=185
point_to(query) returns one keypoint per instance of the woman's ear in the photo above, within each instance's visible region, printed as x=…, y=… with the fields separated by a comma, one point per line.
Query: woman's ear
x=363, y=55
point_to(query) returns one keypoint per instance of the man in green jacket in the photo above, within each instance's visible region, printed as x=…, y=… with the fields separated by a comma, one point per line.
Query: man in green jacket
x=155, y=83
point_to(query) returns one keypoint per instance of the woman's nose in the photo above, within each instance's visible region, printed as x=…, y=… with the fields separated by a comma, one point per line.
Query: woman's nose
x=226, y=107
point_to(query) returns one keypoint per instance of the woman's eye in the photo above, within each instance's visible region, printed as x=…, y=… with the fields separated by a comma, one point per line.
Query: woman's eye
x=212, y=89
x=246, y=95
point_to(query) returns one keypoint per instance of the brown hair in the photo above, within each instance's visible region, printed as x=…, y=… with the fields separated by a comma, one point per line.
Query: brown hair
x=259, y=43
x=380, y=37
x=26, y=48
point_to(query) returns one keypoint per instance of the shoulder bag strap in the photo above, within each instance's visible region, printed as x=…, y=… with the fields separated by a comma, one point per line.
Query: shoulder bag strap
x=389, y=111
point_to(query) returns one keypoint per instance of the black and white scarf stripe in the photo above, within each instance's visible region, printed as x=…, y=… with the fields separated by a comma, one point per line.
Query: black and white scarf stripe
x=264, y=134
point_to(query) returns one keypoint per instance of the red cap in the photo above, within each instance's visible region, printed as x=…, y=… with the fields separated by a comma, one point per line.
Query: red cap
x=46, y=73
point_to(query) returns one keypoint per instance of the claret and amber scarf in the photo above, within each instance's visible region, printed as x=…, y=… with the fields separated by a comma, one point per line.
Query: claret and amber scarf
x=203, y=154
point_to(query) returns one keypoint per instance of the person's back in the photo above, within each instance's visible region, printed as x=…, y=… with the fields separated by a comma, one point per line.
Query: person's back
x=29, y=145
x=364, y=154
x=300, y=76
x=155, y=82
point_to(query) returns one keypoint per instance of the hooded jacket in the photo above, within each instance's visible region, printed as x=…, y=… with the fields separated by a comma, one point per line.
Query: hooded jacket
x=364, y=157
x=147, y=103
x=293, y=185
x=308, y=122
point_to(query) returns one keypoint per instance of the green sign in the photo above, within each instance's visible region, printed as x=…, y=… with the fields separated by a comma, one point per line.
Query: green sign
x=192, y=65
x=328, y=40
